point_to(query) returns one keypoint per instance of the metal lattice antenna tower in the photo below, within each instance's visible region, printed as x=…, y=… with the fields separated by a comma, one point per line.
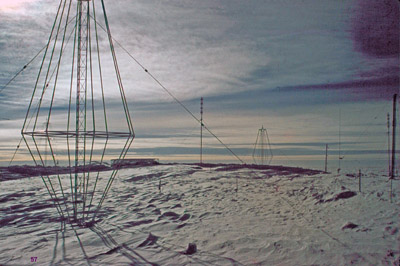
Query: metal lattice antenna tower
x=262, y=152
x=72, y=88
x=81, y=89
x=81, y=81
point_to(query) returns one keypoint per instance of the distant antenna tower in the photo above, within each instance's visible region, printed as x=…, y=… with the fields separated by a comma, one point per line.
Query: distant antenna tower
x=73, y=91
x=262, y=153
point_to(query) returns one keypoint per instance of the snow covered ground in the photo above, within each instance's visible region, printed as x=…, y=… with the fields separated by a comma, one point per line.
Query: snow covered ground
x=235, y=216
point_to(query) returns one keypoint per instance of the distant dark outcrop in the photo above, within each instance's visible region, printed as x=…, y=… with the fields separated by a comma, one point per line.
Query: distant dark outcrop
x=280, y=170
x=24, y=171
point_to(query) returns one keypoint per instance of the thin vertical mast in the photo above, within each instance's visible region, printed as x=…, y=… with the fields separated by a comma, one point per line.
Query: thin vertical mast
x=388, y=134
x=394, y=137
x=392, y=172
x=340, y=132
x=201, y=130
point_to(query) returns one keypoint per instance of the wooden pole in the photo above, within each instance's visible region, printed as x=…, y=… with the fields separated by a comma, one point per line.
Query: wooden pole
x=326, y=158
x=359, y=180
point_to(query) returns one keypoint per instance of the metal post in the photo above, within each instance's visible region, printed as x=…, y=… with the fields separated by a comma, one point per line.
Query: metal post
x=340, y=129
x=359, y=180
x=388, y=134
x=326, y=158
x=392, y=172
x=201, y=130
x=394, y=137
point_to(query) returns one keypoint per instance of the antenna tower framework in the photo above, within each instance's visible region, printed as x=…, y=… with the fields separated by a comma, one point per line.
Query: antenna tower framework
x=84, y=99
x=262, y=152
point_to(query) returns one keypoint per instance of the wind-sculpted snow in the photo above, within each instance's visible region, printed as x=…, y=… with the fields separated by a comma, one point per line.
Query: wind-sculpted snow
x=229, y=214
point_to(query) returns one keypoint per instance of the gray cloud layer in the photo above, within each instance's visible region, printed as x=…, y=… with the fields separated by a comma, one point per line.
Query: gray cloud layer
x=257, y=58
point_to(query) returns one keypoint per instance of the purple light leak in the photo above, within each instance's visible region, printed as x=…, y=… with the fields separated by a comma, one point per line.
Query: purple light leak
x=375, y=27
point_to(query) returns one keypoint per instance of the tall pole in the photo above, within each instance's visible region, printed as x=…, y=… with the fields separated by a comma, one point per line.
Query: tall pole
x=326, y=158
x=393, y=138
x=340, y=129
x=393, y=145
x=388, y=135
x=201, y=130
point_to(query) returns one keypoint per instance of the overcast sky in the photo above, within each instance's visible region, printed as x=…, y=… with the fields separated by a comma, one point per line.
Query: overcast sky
x=294, y=66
